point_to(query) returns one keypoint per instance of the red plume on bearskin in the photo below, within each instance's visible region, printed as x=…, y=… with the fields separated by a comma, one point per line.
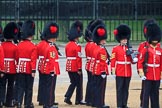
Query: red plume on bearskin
x=115, y=32
x=53, y=29
x=145, y=30
x=16, y=30
x=101, y=32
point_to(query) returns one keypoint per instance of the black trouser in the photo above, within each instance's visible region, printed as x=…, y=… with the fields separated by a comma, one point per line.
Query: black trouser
x=93, y=90
x=40, y=89
x=2, y=89
x=25, y=87
x=88, y=96
x=9, y=82
x=49, y=89
x=151, y=89
x=76, y=80
x=99, y=92
x=141, y=95
x=122, y=86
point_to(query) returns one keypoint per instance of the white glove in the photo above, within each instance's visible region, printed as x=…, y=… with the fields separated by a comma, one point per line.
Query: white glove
x=161, y=81
x=103, y=76
x=143, y=78
x=135, y=60
x=52, y=74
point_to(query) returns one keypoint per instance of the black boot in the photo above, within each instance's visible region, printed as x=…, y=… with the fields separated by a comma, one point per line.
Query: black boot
x=66, y=100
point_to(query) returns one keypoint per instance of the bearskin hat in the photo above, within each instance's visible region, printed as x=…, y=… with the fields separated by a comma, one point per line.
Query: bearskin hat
x=122, y=32
x=76, y=30
x=51, y=30
x=11, y=30
x=94, y=24
x=99, y=33
x=146, y=23
x=88, y=36
x=1, y=33
x=28, y=29
x=153, y=32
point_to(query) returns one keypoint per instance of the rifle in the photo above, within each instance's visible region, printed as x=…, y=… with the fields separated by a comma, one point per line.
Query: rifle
x=57, y=48
x=145, y=60
x=108, y=55
x=132, y=53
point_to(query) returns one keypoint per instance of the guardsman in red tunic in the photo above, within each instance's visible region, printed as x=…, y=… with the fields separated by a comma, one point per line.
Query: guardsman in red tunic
x=142, y=46
x=74, y=64
x=101, y=65
x=17, y=38
x=40, y=47
x=49, y=66
x=89, y=49
x=88, y=38
x=10, y=32
x=26, y=65
x=121, y=64
x=150, y=66
x=2, y=95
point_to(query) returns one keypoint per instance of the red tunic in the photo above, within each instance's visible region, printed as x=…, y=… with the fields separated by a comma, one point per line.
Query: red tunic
x=73, y=56
x=154, y=65
x=9, y=49
x=121, y=62
x=50, y=61
x=40, y=49
x=101, y=59
x=88, y=55
x=92, y=54
x=26, y=57
x=1, y=59
x=142, y=46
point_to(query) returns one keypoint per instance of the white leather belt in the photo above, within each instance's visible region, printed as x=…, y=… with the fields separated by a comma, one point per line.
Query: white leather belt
x=88, y=58
x=56, y=60
x=24, y=59
x=41, y=57
x=120, y=62
x=47, y=59
x=9, y=59
x=153, y=65
x=97, y=61
x=93, y=58
x=71, y=58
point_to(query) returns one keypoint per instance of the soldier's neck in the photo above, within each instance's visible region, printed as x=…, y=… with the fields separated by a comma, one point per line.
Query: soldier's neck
x=53, y=40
